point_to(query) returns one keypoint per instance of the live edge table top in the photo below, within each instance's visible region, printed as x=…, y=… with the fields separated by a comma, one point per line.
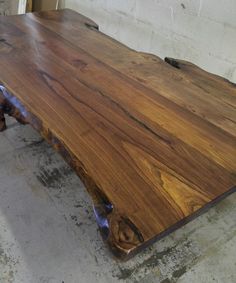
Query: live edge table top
x=153, y=141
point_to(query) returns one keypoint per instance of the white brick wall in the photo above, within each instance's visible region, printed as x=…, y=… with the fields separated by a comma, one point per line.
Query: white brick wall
x=201, y=31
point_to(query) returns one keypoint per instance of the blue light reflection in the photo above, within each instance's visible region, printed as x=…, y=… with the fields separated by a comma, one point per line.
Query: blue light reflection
x=14, y=101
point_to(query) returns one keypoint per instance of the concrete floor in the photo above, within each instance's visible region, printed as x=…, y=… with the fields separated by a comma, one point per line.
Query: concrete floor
x=48, y=233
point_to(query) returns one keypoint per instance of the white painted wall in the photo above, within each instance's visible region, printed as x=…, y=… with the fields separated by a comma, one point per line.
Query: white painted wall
x=201, y=31
x=8, y=7
x=22, y=6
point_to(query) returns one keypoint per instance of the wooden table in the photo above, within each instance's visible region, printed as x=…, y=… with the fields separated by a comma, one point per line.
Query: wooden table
x=153, y=141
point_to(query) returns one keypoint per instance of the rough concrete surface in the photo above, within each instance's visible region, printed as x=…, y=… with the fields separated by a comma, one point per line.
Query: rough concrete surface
x=48, y=232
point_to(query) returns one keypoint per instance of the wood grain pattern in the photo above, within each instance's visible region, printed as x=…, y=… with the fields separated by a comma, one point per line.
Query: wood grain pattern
x=153, y=141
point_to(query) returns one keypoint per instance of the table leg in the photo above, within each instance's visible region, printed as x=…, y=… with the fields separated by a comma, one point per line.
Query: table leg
x=2, y=118
x=7, y=107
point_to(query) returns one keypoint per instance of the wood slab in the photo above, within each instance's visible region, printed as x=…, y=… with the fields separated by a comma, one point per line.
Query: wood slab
x=153, y=141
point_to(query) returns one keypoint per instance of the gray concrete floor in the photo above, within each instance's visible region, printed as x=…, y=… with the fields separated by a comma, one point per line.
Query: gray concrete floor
x=48, y=233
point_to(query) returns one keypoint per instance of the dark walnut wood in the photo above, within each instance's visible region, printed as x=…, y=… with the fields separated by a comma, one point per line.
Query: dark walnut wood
x=153, y=141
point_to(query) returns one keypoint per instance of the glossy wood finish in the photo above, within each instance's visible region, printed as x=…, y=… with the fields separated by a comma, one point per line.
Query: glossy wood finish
x=153, y=141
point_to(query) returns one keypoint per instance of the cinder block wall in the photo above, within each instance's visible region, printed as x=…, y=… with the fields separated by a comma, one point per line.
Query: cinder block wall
x=8, y=7
x=201, y=31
